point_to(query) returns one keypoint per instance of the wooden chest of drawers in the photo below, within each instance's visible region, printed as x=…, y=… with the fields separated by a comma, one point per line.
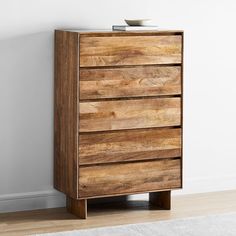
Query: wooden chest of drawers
x=118, y=115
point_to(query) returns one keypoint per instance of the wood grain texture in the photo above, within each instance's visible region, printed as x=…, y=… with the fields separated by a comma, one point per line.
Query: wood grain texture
x=129, y=145
x=161, y=199
x=118, y=102
x=129, y=114
x=125, y=178
x=130, y=50
x=77, y=207
x=111, y=33
x=130, y=82
x=66, y=113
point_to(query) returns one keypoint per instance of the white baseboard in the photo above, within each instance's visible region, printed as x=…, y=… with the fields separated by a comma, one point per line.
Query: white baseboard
x=200, y=185
x=207, y=184
x=53, y=198
x=31, y=201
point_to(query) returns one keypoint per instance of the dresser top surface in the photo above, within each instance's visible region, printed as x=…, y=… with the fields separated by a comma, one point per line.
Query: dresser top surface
x=100, y=32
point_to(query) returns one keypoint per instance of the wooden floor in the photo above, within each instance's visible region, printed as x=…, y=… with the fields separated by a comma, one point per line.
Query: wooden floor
x=54, y=220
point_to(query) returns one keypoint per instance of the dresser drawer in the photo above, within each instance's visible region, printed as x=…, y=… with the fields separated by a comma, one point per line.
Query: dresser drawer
x=129, y=145
x=112, y=179
x=130, y=82
x=129, y=114
x=130, y=50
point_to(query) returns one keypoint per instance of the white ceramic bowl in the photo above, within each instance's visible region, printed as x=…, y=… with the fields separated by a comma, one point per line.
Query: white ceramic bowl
x=137, y=22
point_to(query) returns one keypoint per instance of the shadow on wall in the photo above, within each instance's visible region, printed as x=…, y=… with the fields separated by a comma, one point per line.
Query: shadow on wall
x=26, y=108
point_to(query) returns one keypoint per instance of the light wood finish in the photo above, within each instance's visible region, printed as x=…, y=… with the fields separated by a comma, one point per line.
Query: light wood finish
x=111, y=33
x=130, y=50
x=77, y=207
x=112, y=179
x=66, y=113
x=102, y=215
x=129, y=145
x=161, y=199
x=130, y=82
x=118, y=113
x=129, y=114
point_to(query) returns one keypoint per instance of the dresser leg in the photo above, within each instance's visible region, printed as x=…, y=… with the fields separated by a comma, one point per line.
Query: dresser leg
x=161, y=199
x=77, y=207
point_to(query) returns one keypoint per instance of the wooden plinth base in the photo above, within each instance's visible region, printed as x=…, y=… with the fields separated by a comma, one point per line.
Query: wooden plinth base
x=157, y=199
x=161, y=199
x=77, y=207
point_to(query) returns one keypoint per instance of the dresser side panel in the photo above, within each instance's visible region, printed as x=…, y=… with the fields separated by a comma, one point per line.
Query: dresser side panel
x=66, y=113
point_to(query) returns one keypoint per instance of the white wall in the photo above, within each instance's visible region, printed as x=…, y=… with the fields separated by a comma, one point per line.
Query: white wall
x=26, y=89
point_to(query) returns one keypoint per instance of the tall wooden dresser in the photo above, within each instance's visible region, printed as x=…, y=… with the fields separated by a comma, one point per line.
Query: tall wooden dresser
x=118, y=115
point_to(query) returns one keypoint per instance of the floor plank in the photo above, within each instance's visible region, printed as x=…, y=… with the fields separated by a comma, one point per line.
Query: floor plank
x=116, y=213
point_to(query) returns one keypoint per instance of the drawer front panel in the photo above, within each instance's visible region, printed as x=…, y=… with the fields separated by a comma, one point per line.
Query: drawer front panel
x=129, y=145
x=129, y=114
x=111, y=179
x=130, y=82
x=130, y=50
